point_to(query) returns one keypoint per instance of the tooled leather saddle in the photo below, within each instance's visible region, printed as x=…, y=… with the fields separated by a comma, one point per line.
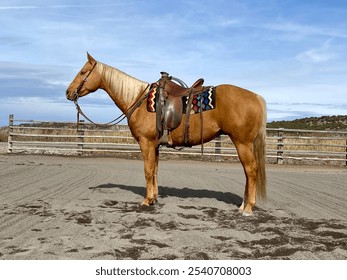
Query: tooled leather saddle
x=169, y=107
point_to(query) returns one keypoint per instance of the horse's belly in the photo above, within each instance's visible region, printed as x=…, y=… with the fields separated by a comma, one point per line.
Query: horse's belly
x=209, y=126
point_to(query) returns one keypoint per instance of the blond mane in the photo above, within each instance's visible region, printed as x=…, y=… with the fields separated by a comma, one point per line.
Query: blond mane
x=126, y=87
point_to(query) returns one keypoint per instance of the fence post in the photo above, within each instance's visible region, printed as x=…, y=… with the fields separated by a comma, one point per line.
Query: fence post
x=80, y=137
x=218, y=147
x=280, y=134
x=346, y=152
x=10, y=131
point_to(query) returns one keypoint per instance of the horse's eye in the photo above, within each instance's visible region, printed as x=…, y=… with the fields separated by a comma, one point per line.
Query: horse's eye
x=83, y=72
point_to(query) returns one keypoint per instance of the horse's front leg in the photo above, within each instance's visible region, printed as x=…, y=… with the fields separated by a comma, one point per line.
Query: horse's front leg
x=156, y=167
x=150, y=155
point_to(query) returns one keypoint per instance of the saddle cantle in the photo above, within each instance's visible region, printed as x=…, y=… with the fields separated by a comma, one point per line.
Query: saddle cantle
x=176, y=90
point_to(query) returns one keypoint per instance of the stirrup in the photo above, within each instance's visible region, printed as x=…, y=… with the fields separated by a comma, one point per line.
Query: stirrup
x=166, y=139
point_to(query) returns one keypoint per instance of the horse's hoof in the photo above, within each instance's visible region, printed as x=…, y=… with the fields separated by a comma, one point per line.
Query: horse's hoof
x=242, y=206
x=145, y=203
x=247, y=214
x=149, y=202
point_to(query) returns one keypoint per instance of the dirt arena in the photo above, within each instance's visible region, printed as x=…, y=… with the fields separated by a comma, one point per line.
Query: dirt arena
x=88, y=208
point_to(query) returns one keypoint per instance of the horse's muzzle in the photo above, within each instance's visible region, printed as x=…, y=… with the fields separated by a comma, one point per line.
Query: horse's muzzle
x=70, y=95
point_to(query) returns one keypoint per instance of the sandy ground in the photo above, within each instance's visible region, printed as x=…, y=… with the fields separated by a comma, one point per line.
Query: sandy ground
x=3, y=147
x=88, y=208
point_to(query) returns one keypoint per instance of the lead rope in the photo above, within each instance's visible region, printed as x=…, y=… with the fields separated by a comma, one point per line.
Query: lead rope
x=113, y=122
x=120, y=118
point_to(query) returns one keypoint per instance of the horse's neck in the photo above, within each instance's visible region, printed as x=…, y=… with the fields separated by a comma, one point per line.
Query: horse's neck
x=122, y=88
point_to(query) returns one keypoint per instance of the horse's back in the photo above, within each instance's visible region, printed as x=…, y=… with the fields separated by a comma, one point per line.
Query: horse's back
x=235, y=93
x=237, y=97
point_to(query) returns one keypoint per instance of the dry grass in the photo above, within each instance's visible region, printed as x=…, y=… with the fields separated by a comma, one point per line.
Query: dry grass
x=67, y=133
x=309, y=141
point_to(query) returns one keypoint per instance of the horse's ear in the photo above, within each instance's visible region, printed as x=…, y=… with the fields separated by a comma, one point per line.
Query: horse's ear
x=90, y=58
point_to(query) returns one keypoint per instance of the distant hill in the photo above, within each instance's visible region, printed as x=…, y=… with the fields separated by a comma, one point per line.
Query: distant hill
x=315, y=123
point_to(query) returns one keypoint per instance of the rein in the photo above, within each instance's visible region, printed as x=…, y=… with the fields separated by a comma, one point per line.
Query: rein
x=113, y=122
x=127, y=114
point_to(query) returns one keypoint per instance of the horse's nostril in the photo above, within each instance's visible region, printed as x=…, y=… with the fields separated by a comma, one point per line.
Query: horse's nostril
x=68, y=95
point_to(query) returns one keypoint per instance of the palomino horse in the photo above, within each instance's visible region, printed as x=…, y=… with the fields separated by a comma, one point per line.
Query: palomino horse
x=239, y=113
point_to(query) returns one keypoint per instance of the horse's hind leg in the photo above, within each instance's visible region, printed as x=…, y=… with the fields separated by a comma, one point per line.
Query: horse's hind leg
x=246, y=156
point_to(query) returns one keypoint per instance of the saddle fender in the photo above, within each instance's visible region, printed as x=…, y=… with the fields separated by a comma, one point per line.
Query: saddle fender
x=173, y=112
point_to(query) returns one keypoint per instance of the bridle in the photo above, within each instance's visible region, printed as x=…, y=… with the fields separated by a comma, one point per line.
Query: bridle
x=128, y=112
x=76, y=93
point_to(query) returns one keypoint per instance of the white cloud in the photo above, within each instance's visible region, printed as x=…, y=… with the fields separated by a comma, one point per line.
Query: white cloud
x=93, y=5
x=43, y=109
x=317, y=55
x=18, y=7
x=54, y=83
x=305, y=30
x=287, y=111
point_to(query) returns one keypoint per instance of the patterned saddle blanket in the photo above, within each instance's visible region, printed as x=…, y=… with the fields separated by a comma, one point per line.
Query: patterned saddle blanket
x=204, y=101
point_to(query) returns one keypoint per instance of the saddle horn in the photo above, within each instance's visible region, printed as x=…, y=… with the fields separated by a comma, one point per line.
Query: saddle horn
x=179, y=81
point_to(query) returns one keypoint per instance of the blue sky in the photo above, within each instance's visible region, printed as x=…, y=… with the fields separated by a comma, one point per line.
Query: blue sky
x=291, y=52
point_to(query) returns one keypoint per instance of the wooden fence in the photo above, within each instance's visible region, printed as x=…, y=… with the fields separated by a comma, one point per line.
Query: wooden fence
x=283, y=145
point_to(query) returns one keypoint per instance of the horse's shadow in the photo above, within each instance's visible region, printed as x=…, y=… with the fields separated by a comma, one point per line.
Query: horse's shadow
x=165, y=191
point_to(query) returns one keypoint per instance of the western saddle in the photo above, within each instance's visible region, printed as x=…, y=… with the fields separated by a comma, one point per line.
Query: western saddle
x=169, y=107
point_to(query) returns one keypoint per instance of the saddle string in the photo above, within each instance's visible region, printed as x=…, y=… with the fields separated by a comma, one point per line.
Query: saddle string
x=201, y=128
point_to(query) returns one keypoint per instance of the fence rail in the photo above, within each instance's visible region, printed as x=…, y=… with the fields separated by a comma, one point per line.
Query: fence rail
x=283, y=145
